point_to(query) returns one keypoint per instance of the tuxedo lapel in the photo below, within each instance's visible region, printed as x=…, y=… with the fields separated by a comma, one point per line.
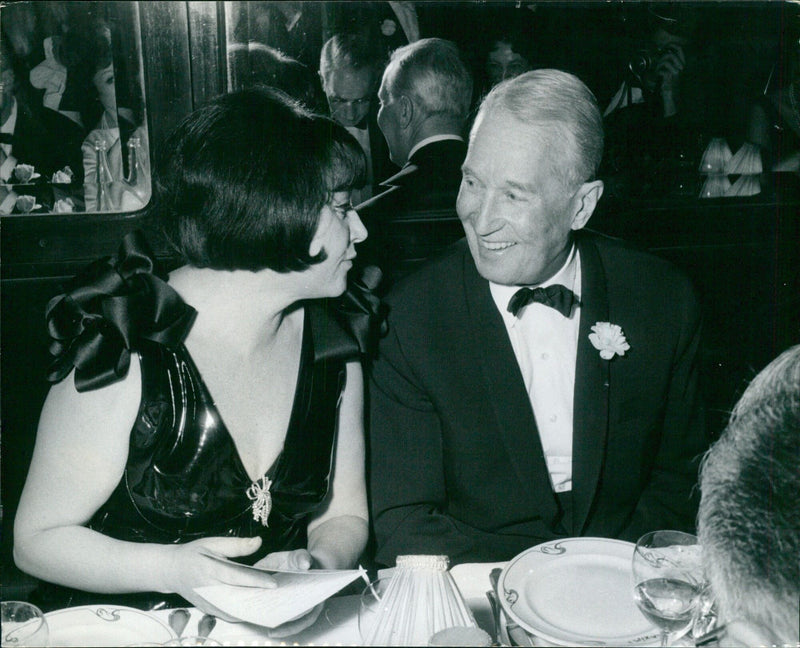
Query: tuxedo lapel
x=504, y=384
x=590, y=412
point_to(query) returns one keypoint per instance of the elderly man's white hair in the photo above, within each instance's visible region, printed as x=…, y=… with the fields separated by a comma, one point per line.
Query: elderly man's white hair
x=749, y=516
x=432, y=73
x=560, y=108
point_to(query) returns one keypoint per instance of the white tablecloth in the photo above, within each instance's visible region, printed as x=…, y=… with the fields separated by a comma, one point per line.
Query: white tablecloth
x=337, y=625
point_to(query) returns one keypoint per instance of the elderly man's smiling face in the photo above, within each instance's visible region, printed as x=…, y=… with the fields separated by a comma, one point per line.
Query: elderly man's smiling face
x=516, y=210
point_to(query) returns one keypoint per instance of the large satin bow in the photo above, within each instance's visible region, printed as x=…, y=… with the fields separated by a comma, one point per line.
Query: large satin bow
x=112, y=306
x=361, y=314
x=366, y=316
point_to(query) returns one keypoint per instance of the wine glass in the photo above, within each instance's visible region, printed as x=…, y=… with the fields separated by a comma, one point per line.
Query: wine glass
x=23, y=624
x=369, y=607
x=667, y=580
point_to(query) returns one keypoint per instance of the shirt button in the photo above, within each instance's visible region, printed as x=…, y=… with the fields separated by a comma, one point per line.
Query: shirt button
x=553, y=418
x=545, y=355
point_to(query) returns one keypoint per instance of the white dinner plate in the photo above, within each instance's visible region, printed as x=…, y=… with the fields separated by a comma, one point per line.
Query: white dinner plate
x=576, y=592
x=105, y=625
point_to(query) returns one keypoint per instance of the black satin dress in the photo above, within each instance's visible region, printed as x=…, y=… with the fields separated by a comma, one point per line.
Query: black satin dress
x=184, y=478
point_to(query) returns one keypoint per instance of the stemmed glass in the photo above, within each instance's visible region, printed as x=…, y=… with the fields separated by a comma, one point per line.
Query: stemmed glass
x=667, y=580
x=369, y=608
x=23, y=625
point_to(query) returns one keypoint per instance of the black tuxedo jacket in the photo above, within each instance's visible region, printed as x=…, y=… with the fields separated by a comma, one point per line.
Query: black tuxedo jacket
x=429, y=181
x=415, y=213
x=49, y=141
x=382, y=166
x=456, y=464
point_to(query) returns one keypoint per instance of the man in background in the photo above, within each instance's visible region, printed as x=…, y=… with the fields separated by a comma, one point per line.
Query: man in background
x=31, y=134
x=350, y=69
x=425, y=97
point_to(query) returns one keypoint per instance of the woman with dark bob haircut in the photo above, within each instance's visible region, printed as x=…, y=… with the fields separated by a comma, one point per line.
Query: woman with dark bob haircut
x=218, y=413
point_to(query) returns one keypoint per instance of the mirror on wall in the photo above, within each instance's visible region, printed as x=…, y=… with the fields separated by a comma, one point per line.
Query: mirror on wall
x=276, y=44
x=73, y=131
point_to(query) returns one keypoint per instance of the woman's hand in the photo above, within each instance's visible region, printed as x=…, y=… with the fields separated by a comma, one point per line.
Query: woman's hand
x=300, y=560
x=296, y=625
x=197, y=564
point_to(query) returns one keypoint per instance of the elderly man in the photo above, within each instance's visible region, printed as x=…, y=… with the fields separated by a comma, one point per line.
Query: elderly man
x=350, y=69
x=749, y=518
x=425, y=99
x=538, y=380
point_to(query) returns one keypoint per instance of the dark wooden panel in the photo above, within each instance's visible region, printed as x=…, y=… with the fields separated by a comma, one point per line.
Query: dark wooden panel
x=744, y=258
x=207, y=47
x=167, y=65
x=57, y=245
x=23, y=339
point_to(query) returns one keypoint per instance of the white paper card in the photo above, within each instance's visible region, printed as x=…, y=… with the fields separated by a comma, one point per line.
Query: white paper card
x=297, y=593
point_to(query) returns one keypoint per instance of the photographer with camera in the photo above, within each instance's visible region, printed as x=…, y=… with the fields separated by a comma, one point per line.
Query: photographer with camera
x=654, y=121
x=654, y=72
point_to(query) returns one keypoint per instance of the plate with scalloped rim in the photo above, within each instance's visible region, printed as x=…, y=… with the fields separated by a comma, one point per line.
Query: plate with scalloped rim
x=576, y=592
x=105, y=625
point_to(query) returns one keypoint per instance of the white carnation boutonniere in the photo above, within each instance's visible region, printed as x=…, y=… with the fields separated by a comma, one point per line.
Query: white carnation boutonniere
x=609, y=339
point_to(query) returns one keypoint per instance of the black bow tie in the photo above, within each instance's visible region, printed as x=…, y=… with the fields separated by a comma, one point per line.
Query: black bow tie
x=556, y=296
x=6, y=138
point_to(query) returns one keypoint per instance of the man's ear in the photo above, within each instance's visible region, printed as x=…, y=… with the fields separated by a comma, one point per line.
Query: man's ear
x=584, y=202
x=405, y=112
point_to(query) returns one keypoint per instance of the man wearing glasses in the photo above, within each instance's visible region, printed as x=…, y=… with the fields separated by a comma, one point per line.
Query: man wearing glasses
x=350, y=68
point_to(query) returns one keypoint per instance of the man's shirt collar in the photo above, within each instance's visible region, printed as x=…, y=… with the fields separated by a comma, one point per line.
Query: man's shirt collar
x=11, y=123
x=431, y=140
x=566, y=276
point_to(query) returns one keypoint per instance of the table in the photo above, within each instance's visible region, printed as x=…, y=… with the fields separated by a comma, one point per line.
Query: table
x=337, y=625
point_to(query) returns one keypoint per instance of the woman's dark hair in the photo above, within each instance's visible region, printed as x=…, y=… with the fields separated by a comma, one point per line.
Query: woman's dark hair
x=84, y=49
x=241, y=182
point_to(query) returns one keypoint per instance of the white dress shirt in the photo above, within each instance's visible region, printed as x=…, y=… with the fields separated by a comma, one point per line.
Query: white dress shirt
x=620, y=100
x=8, y=160
x=545, y=344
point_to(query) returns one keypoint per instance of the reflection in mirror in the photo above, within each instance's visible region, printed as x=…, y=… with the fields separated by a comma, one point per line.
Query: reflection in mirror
x=73, y=133
x=276, y=44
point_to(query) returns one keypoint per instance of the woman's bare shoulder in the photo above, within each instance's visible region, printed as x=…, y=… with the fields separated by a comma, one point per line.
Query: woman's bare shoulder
x=106, y=412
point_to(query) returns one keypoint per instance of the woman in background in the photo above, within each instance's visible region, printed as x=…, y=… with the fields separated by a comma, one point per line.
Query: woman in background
x=113, y=125
x=220, y=411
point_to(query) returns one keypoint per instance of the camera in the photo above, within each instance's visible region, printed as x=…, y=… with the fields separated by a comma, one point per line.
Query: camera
x=641, y=62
